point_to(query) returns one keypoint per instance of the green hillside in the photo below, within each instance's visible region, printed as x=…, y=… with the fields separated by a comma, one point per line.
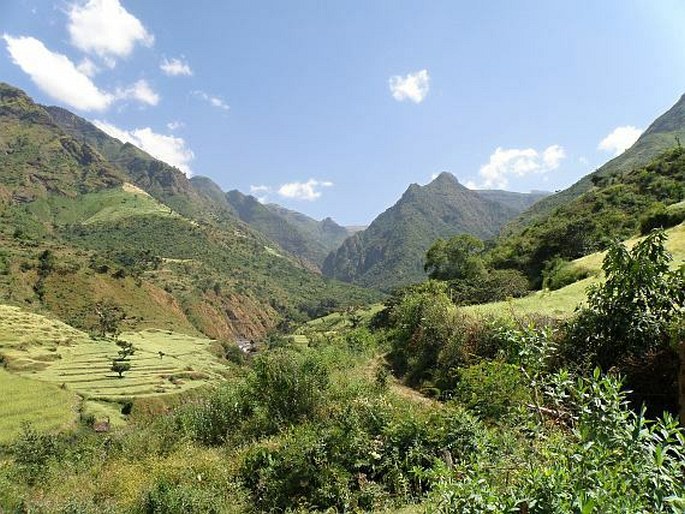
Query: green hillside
x=391, y=250
x=296, y=233
x=563, y=302
x=86, y=218
x=613, y=209
x=659, y=136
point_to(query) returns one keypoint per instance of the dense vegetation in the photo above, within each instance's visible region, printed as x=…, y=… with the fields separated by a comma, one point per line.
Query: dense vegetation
x=615, y=208
x=523, y=419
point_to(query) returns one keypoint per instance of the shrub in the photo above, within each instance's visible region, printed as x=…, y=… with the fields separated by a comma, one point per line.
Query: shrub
x=660, y=216
x=288, y=386
x=166, y=497
x=559, y=273
x=492, y=389
x=32, y=452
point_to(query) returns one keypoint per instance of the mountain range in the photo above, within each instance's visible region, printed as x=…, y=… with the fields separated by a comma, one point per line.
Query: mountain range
x=87, y=219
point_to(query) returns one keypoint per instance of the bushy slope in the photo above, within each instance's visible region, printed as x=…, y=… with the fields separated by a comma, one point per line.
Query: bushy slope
x=659, y=136
x=610, y=210
x=85, y=218
x=390, y=252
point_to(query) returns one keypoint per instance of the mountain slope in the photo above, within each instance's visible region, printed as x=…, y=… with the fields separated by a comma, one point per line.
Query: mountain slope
x=390, y=252
x=517, y=201
x=659, y=136
x=77, y=228
x=614, y=208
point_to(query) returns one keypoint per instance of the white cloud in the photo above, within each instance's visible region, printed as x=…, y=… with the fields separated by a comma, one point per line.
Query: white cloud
x=261, y=193
x=88, y=67
x=413, y=86
x=583, y=160
x=170, y=149
x=214, y=101
x=140, y=91
x=175, y=125
x=504, y=163
x=175, y=67
x=56, y=75
x=309, y=190
x=106, y=29
x=620, y=139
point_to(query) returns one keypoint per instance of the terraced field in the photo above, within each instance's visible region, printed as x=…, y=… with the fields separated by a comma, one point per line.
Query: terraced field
x=50, y=366
x=46, y=406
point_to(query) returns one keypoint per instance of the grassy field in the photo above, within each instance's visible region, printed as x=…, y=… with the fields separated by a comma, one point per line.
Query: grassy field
x=564, y=301
x=46, y=406
x=43, y=355
x=107, y=205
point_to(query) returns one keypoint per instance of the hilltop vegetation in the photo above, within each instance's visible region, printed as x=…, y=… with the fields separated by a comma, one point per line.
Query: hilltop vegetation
x=615, y=208
x=659, y=137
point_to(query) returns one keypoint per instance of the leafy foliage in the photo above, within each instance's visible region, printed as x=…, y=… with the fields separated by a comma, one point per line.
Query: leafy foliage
x=590, y=222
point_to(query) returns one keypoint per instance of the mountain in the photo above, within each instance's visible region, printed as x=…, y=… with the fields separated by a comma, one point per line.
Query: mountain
x=604, y=205
x=302, y=236
x=390, y=252
x=517, y=201
x=86, y=219
x=659, y=136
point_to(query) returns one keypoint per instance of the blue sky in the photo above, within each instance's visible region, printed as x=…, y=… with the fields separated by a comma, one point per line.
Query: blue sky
x=334, y=108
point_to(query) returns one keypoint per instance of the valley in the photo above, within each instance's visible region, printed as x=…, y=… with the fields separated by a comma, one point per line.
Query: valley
x=171, y=347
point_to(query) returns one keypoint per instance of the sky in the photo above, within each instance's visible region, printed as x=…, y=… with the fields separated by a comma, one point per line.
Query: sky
x=333, y=108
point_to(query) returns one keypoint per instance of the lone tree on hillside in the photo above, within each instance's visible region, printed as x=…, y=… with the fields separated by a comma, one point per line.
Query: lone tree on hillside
x=110, y=317
x=120, y=366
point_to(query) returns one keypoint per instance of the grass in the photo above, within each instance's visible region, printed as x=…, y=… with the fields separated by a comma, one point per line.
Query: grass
x=46, y=406
x=564, y=301
x=49, y=365
x=108, y=205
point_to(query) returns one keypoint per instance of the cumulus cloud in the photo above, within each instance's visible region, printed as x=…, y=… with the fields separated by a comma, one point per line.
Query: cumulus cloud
x=170, y=149
x=104, y=28
x=505, y=162
x=56, y=75
x=309, y=190
x=214, y=101
x=620, y=139
x=175, y=67
x=140, y=91
x=413, y=86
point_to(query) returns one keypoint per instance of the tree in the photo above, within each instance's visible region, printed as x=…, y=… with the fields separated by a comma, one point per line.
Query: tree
x=109, y=316
x=631, y=322
x=120, y=366
x=460, y=257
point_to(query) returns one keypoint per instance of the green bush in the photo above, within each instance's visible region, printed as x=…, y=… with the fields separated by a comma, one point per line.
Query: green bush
x=493, y=389
x=32, y=452
x=288, y=386
x=660, y=216
x=559, y=273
